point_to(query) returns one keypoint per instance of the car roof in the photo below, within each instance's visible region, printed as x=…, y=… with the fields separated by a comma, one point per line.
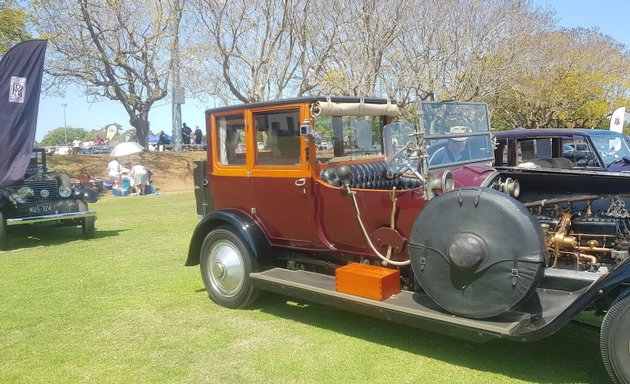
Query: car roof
x=550, y=132
x=298, y=100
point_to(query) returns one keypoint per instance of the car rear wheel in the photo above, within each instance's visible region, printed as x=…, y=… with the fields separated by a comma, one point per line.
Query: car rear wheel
x=87, y=223
x=615, y=340
x=4, y=236
x=225, y=263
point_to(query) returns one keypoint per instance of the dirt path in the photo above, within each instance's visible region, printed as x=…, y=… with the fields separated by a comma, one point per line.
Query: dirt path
x=172, y=171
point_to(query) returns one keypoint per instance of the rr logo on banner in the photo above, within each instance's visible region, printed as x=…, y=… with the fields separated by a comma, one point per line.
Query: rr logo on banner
x=17, y=89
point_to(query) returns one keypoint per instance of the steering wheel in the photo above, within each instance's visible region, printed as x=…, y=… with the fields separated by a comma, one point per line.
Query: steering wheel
x=584, y=161
x=399, y=163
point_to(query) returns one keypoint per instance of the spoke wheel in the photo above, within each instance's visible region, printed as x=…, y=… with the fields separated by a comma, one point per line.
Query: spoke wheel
x=225, y=264
x=615, y=340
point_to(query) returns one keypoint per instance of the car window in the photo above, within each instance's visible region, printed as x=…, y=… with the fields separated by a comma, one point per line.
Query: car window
x=346, y=137
x=231, y=139
x=578, y=151
x=277, y=137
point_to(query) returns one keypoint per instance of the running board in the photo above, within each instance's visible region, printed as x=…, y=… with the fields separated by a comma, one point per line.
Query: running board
x=410, y=308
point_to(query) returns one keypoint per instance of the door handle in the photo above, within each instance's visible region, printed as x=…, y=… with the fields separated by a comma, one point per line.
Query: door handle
x=301, y=183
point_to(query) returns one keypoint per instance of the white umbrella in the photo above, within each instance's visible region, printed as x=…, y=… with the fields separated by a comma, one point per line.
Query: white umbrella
x=126, y=148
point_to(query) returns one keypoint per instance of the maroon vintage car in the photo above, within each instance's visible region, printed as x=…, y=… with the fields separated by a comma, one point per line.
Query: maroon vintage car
x=408, y=222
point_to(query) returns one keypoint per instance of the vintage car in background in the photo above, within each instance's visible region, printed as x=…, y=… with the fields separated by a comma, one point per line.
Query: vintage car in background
x=45, y=197
x=409, y=222
x=592, y=149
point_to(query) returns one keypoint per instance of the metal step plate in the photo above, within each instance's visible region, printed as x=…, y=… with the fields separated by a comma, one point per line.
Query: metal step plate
x=407, y=307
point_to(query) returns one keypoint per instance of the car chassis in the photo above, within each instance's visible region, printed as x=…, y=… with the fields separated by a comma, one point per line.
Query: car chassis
x=481, y=251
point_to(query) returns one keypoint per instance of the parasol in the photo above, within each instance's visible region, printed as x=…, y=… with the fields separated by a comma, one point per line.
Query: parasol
x=126, y=148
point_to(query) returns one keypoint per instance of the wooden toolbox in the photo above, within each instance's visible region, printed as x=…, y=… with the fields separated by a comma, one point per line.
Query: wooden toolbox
x=368, y=281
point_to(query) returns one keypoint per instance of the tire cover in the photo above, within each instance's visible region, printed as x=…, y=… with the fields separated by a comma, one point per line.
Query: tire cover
x=477, y=252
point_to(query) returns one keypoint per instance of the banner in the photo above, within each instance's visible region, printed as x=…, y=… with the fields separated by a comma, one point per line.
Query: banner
x=616, y=121
x=21, y=72
x=111, y=131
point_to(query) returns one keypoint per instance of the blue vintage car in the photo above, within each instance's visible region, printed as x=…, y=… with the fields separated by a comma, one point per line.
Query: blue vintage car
x=592, y=149
x=45, y=196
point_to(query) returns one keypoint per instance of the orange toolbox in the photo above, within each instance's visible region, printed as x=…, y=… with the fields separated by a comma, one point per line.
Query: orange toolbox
x=368, y=281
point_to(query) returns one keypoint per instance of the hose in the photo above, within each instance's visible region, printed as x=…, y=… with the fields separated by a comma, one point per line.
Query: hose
x=367, y=238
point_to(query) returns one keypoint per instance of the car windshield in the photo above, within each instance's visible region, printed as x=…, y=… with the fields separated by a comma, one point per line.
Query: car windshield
x=611, y=147
x=456, y=133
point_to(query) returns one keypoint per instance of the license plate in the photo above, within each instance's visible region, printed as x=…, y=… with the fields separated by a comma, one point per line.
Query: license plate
x=45, y=208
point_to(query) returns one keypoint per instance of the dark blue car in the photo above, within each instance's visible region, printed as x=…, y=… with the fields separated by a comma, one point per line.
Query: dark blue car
x=592, y=149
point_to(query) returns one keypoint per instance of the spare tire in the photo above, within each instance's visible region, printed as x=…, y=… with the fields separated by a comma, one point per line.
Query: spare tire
x=477, y=252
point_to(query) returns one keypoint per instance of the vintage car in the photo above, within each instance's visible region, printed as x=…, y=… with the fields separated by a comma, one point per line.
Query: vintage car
x=45, y=196
x=592, y=149
x=408, y=222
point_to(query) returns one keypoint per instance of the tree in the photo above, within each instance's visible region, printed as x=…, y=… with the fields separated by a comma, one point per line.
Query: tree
x=61, y=135
x=12, y=25
x=261, y=49
x=571, y=78
x=368, y=31
x=112, y=49
x=459, y=50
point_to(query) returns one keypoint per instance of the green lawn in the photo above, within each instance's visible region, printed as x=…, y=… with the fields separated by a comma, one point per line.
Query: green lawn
x=122, y=308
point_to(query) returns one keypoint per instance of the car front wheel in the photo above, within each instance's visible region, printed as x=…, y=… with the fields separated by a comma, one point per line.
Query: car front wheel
x=87, y=223
x=225, y=264
x=4, y=236
x=615, y=340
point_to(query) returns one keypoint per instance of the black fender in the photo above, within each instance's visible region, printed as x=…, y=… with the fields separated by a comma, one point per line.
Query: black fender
x=244, y=225
x=88, y=195
x=614, y=284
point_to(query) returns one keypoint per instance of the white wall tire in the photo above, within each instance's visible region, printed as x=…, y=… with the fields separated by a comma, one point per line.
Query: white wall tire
x=225, y=263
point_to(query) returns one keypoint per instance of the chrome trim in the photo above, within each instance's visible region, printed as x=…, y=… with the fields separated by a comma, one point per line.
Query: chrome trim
x=44, y=218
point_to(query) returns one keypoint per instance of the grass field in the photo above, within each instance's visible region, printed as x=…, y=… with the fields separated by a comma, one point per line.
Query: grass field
x=122, y=308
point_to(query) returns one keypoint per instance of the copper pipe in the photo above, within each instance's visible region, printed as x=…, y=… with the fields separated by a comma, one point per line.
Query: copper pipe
x=593, y=249
x=590, y=258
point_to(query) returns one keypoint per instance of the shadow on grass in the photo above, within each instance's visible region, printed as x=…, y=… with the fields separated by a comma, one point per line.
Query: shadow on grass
x=570, y=356
x=31, y=236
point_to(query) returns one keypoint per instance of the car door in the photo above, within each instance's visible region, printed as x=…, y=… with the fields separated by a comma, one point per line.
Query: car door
x=280, y=180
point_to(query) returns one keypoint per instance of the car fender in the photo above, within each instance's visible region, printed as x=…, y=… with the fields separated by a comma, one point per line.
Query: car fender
x=243, y=224
x=88, y=195
x=615, y=283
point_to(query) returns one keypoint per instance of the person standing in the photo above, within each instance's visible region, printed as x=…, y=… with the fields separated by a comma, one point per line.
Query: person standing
x=186, y=134
x=198, y=137
x=113, y=170
x=162, y=140
x=140, y=178
x=76, y=146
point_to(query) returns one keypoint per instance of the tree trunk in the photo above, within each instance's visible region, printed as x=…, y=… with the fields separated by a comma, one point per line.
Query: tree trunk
x=141, y=124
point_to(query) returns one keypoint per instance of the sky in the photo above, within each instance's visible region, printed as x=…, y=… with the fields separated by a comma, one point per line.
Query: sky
x=610, y=16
